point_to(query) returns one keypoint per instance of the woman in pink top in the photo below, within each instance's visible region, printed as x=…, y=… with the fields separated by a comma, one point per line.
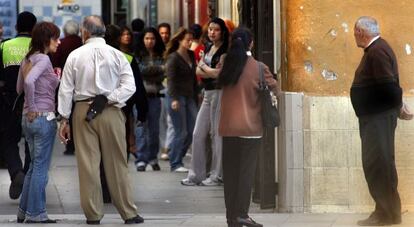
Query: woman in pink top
x=38, y=81
x=240, y=125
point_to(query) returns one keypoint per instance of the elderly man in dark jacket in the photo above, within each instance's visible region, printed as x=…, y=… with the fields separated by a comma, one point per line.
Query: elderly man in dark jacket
x=377, y=97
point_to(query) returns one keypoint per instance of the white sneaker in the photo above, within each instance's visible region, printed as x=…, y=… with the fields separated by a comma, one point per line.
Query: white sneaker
x=164, y=156
x=181, y=170
x=188, y=182
x=210, y=182
x=141, y=166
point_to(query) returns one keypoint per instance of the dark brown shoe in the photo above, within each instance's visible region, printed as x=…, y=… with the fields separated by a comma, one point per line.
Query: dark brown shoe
x=93, y=222
x=135, y=220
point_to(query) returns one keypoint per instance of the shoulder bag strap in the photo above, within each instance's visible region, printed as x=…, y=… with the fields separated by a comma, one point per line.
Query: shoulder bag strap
x=262, y=82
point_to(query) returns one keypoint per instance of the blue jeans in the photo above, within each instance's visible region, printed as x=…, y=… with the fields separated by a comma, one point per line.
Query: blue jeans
x=183, y=121
x=147, y=136
x=40, y=136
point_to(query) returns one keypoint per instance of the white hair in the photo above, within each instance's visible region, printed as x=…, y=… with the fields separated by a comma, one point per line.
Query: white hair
x=94, y=25
x=71, y=27
x=369, y=25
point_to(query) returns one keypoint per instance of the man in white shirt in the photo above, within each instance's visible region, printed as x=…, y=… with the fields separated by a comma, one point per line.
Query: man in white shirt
x=91, y=70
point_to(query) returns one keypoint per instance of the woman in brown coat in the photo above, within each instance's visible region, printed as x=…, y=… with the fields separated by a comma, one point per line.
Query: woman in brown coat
x=241, y=125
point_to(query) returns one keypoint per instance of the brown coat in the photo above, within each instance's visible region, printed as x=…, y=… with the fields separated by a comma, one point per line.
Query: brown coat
x=240, y=106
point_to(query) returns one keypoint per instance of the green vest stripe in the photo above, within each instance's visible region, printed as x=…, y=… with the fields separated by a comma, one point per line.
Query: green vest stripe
x=129, y=57
x=14, y=50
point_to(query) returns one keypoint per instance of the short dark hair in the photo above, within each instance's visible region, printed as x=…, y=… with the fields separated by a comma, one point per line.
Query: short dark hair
x=164, y=25
x=137, y=25
x=197, y=31
x=112, y=34
x=25, y=22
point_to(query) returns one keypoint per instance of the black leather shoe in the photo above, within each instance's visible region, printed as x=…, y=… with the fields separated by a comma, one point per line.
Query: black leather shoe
x=96, y=222
x=16, y=185
x=135, y=220
x=233, y=223
x=373, y=220
x=47, y=221
x=69, y=152
x=156, y=167
x=249, y=222
x=20, y=220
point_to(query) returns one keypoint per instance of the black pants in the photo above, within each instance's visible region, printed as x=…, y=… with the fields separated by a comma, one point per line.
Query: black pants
x=377, y=138
x=239, y=166
x=10, y=135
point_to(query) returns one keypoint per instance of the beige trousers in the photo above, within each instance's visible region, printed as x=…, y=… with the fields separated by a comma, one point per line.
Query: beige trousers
x=102, y=138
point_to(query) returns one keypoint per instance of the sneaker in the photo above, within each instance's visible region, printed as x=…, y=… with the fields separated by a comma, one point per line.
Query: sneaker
x=188, y=182
x=141, y=166
x=181, y=170
x=164, y=156
x=16, y=185
x=210, y=182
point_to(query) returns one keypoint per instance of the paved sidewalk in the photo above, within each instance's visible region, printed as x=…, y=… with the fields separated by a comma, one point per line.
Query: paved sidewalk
x=161, y=200
x=216, y=220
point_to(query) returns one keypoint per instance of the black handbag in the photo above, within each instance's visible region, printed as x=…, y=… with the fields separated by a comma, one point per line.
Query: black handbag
x=270, y=114
x=96, y=107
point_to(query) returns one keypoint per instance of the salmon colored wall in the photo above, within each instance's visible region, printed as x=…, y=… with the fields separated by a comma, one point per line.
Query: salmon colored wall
x=319, y=36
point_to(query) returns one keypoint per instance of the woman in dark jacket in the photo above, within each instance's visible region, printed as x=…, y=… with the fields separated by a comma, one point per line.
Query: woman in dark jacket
x=149, y=56
x=240, y=125
x=182, y=108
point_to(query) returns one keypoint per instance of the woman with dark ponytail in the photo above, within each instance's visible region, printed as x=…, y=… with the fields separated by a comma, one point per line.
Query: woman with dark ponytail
x=241, y=125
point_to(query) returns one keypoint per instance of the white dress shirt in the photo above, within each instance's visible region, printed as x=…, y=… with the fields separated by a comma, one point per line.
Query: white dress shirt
x=93, y=69
x=372, y=40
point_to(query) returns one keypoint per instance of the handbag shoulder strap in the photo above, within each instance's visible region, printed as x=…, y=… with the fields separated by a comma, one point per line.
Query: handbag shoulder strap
x=262, y=81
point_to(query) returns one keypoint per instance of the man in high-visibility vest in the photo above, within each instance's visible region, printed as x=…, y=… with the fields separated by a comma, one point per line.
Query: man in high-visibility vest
x=12, y=52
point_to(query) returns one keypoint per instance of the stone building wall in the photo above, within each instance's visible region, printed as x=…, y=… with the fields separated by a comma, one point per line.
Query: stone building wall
x=321, y=55
x=319, y=157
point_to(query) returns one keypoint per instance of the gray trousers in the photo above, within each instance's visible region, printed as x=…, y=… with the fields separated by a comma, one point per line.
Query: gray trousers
x=207, y=124
x=378, y=161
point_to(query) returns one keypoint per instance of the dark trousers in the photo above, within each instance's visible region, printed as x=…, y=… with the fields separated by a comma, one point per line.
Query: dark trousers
x=239, y=166
x=70, y=146
x=377, y=138
x=10, y=135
